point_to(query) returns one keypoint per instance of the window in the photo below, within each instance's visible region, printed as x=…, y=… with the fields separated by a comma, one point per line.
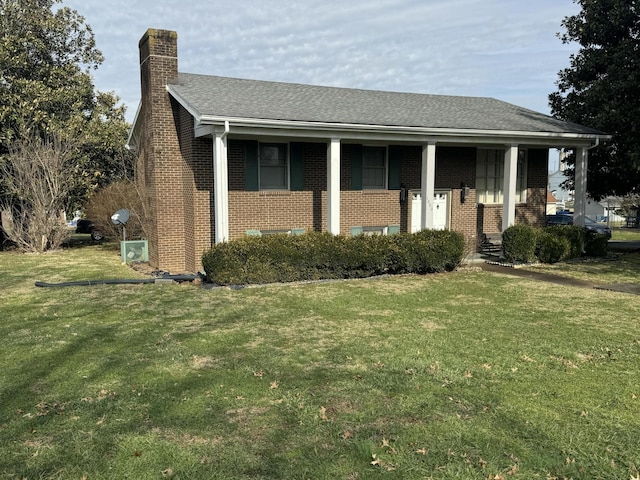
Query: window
x=274, y=166
x=490, y=176
x=374, y=168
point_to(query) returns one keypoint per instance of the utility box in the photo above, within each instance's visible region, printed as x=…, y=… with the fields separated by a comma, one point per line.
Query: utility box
x=134, y=251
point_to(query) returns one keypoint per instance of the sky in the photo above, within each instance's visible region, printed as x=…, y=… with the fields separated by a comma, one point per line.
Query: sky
x=505, y=49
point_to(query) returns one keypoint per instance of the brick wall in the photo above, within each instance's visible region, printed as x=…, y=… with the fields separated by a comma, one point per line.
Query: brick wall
x=264, y=210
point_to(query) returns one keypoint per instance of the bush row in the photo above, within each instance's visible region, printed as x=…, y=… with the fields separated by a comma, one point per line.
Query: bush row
x=315, y=256
x=522, y=243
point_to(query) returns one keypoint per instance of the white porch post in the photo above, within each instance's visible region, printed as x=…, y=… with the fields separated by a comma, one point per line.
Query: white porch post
x=427, y=184
x=220, y=187
x=333, y=186
x=580, y=190
x=509, y=186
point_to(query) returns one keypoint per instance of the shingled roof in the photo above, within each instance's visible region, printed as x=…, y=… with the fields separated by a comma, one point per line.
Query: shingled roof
x=214, y=96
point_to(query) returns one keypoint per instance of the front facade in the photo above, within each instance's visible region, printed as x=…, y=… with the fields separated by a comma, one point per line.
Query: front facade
x=221, y=158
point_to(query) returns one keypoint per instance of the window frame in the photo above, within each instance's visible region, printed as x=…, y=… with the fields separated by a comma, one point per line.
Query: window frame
x=286, y=166
x=493, y=172
x=385, y=167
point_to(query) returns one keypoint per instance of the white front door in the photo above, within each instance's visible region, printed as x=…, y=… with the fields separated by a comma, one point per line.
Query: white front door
x=440, y=210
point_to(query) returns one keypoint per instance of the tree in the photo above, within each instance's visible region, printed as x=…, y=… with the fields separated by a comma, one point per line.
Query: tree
x=37, y=177
x=46, y=88
x=601, y=89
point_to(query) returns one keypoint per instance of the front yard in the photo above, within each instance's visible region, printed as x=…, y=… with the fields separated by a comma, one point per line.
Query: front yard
x=463, y=375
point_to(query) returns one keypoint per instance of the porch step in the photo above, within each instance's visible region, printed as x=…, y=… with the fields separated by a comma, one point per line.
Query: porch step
x=491, y=243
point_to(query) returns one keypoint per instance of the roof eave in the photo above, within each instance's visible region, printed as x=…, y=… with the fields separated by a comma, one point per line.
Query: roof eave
x=132, y=140
x=330, y=129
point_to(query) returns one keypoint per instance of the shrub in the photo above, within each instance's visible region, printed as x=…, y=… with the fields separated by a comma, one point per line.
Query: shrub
x=108, y=200
x=596, y=245
x=574, y=234
x=519, y=243
x=313, y=256
x=552, y=248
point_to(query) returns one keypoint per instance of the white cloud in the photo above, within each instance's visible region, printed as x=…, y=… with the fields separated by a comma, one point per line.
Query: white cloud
x=501, y=48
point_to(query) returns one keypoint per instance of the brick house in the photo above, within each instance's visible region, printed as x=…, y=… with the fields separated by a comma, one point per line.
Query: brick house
x=222, y=157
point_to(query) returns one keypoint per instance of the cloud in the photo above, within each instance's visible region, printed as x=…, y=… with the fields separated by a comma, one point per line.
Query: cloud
x=498, y=48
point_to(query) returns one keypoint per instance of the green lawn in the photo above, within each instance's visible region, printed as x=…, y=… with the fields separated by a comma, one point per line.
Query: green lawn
x=468, y=375
x=622, y=233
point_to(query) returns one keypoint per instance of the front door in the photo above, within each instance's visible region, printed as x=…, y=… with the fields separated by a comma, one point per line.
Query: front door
x=440, y=210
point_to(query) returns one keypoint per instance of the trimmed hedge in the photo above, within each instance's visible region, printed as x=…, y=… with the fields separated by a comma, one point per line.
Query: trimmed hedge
x=597, y=245
x=519, y=243
x=575, y=235
x=552, y=248
x=315, y=256
x=522, y=243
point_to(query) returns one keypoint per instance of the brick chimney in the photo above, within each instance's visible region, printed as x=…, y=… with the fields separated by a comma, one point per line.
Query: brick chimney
x=160, y=159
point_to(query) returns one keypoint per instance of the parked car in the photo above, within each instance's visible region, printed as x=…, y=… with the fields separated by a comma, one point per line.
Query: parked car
x=85, y=225
x=590, y=224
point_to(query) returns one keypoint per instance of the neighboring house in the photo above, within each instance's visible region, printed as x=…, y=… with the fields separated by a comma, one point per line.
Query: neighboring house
x=605, y=209
x=223, y=157
x=553, y=205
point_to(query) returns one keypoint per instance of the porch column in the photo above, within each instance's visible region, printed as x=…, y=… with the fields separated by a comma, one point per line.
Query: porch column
x=220, y=187
x=427, y=184
x=333, y=186
x=509, y=186
x=580, y=189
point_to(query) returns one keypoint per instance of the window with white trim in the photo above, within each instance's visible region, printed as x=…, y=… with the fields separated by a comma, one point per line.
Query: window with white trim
x=374, y=168
x=490, y=176
x=274, y=166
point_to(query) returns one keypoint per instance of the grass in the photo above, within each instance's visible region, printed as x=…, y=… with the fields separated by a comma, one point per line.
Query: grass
x=626, y=234
x=464, y=375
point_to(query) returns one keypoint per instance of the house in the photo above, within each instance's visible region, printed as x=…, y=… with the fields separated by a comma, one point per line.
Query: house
x=221, y=158
x=552, y=204
x=605, y=210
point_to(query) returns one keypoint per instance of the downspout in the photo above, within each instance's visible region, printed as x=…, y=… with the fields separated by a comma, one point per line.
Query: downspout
x=226, y=131
x=588, y=148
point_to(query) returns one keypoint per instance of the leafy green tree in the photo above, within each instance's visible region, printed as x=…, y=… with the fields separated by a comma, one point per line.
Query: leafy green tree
x=601, y=89
x=46, y=88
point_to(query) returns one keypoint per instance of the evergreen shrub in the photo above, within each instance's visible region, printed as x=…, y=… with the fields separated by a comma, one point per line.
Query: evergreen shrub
x=574, y=234
x=519, y=243
x=552, y=248
x=596, y=245
x=314, y=256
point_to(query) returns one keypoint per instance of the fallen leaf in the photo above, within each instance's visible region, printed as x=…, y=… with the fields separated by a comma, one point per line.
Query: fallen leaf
x=137, y=453
x=167, y=473
x=346, y=434
x=323, y=413
x=468, y=374
x=422, y=451
x=273, y=385
x=385, y=442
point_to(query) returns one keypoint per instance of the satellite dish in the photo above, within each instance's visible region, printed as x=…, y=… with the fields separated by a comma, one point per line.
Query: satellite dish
x=120, y=217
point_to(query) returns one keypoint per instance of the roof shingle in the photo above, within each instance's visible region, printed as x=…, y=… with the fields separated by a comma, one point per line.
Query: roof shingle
x=238, y=98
